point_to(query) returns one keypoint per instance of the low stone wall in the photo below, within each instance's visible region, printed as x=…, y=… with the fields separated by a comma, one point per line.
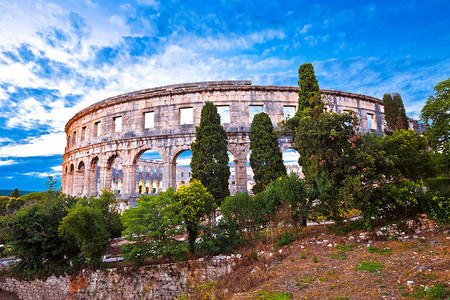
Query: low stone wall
x=164, y=281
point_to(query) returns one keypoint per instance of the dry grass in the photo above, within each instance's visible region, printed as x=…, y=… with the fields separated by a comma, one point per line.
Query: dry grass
x=423, y=260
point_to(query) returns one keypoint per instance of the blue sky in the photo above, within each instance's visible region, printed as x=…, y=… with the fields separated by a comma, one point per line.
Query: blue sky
x=59, y=57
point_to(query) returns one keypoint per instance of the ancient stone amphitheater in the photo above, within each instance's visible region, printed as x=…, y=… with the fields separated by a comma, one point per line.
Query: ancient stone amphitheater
x=105, y=141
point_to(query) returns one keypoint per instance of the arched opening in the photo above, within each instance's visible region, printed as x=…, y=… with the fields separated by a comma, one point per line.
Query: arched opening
x=119, y=186
x=79, y=180
x=147, y=163
x=94, y=177
x=155, y=186
x=290, y=159
x=115, y=168
x=250, y=179
x=183, y=167
x=70, y=180
x=232, y=179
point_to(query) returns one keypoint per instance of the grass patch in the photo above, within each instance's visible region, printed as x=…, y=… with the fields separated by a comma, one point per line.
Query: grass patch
x=339, y=255
x=267, y=295
x=346, y=247
x=369, y=266
x=303, y=256
x=437, y=291
x=314, y=259
x=378, y=250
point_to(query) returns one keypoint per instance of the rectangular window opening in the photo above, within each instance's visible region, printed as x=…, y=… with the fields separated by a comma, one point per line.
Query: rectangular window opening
x=149, y=119
x=370, y=121
x=97, y=128
x=288, y=112
x=254, y=110
x=117, y=124
x=186, y=116
x=83, y=133
x=224, y=112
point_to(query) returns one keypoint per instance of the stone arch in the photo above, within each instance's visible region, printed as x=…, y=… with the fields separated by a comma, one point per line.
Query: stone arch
x=93, y=183
x=182, y=170
x=146, y=161
x=290, y=159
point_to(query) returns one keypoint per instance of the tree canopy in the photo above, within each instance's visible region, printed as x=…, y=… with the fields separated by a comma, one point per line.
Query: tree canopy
x=209, y=161
x=195, y=204
x=266, y=159
x=394, y=112
x=436, y=113
x=309, y=93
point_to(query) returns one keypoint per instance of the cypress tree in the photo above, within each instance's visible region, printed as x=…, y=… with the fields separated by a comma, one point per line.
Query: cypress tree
x=209, y=161
x=394, y=112
x=15, y=193
x=309, y=94
x=402, y=118
x=266, y=159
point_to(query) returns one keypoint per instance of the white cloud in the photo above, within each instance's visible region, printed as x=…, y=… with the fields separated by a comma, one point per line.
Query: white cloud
x=44, y=145
x=57, y=169
x=7, y=162
x=42, y=174
x=305, y=28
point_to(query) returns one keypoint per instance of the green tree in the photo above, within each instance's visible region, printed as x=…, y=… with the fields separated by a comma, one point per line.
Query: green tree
x=394, y=112
x=244, y=212
x=32, y=234
x=290, y=197
x=209, y=161
x=151, y=227
x=15, y=193
x=195, y=204
x=93, y=223
x=266, y=159
x=436, y=113
x=309, y=93
x=409, y=151
x=326, y=144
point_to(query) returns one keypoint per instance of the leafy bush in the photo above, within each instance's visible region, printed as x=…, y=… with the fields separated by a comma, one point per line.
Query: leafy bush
x=32, y=234
x=436, y=207
x=151, y=227
x=285, y=239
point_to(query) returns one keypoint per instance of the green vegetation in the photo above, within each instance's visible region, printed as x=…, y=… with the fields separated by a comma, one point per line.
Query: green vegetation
x=314, y=259
x=195, y=203
x=345, y=247
x=369, y=266
x=209, y=161
x=152, y=226
x=268, y=295
x=15, y=193
x=436, y=114
x=265, y=159
x=394, y=112
x=285, y=239
x=339, y=255
x=372, y=249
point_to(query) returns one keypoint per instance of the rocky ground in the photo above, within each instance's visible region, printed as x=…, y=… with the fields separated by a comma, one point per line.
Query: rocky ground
x=410, y=261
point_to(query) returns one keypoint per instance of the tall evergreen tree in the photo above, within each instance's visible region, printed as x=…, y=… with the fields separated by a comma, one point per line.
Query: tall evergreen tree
x=266, y=159
x=15, y=193
x=394, y=112
x=209, y=161
x=309, y=94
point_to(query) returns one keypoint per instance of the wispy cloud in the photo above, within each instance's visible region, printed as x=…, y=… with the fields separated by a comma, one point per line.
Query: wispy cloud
x=45, y=145
x=7, y=162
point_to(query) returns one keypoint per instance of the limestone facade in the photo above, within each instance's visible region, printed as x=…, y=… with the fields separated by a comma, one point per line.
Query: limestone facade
x=106, y=140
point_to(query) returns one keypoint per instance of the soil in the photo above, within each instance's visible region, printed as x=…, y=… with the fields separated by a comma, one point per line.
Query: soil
x=409, y=264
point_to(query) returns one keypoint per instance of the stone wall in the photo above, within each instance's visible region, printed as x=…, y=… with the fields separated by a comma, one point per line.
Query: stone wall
x=164, y=281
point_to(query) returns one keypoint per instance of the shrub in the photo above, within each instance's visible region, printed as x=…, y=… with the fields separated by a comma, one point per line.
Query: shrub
x=285, y=239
